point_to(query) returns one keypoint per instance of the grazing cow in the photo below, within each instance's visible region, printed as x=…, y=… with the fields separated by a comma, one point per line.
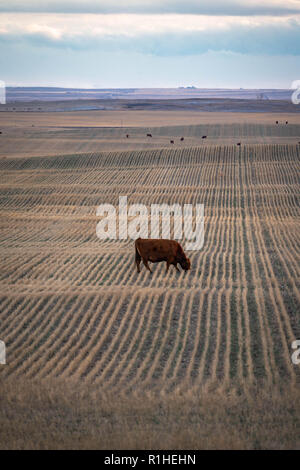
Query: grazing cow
x=182, y=139
x=239, y=143
x=171, y=141
x=204, y=137
x=157, y=250
x=127, y=136
x=149, y=135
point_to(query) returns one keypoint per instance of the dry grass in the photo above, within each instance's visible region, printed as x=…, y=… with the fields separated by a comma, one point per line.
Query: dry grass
x=100, y=357
x=58, y=415
x=70, y=133
x=143, y=118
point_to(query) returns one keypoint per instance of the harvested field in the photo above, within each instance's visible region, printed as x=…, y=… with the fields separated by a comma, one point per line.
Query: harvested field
x=74, y=310
x=86, y=138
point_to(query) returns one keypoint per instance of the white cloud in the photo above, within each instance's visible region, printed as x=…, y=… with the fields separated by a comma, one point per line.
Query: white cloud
x=159, y=35
x=207, y=7
x=58, y=25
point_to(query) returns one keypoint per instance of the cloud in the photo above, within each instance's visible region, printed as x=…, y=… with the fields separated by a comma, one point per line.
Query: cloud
x=204, y=7
x=153, y=35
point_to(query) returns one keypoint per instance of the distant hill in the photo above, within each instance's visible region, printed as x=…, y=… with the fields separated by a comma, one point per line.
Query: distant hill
x=29, y=94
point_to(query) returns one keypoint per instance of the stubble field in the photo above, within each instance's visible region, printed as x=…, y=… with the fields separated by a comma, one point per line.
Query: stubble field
x=100, y=356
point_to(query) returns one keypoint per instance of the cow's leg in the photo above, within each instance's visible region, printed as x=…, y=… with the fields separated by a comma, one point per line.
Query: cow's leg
x=138, y=260
x=138, y=265
x=175, y=264
x=168, y=265
x=145, y=261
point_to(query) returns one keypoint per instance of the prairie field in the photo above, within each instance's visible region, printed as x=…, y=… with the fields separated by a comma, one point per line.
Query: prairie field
x=99, y=356
x=59, y=133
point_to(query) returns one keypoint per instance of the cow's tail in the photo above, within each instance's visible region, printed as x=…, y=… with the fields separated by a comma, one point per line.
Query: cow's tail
x=137, y=252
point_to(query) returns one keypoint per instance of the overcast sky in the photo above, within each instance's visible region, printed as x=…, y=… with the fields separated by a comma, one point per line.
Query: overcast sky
x=141, y=43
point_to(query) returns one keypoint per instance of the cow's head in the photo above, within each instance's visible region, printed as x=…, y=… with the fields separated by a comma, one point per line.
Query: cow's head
x=185, y=264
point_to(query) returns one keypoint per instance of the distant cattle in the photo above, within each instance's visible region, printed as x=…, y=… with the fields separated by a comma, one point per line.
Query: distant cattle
x=277, y=122
x=204, y=137
x=127, y=136
x=286, y=122
x=171, y=141
x=182, y=139
x=149, y=135
x=158, y=250
x=239, y=143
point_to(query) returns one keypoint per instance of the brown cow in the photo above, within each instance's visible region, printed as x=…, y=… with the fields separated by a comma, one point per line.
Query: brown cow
x=157, y=250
